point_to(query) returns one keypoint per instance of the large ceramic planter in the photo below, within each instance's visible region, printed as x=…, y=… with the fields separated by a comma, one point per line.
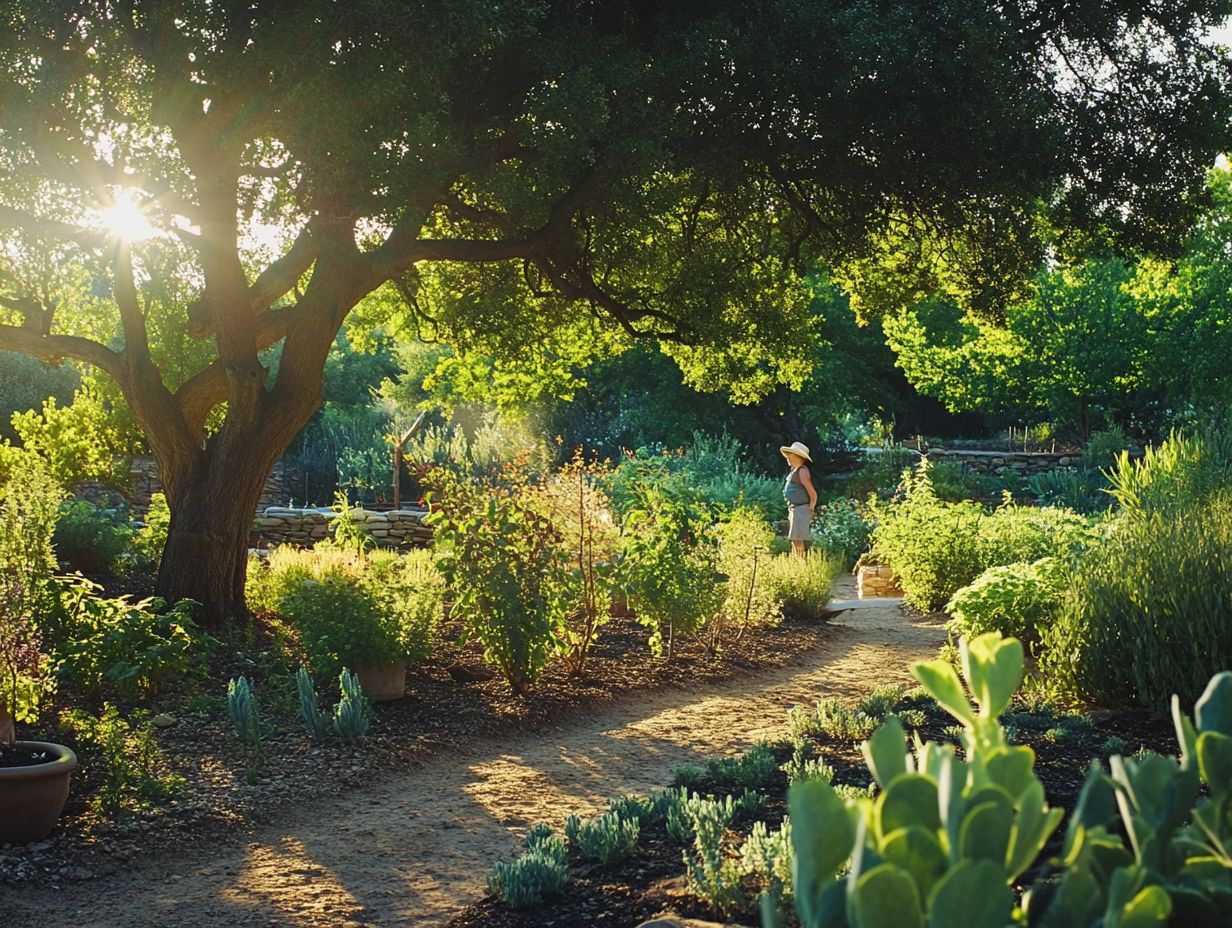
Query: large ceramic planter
x=383, y=682
x=31, y=798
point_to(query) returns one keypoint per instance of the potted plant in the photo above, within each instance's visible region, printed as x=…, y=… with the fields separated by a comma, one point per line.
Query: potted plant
x=370, y=612
x=34, y=775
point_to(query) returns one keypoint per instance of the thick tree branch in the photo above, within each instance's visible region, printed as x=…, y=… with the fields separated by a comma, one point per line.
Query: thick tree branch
x=55, y=348
x=132, y=319
x=13, y=218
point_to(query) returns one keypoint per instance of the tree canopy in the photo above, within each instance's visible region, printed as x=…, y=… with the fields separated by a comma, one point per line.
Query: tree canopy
x=186, y=184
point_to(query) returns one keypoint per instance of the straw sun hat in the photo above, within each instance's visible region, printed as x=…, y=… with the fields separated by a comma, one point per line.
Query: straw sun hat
x=797, y=447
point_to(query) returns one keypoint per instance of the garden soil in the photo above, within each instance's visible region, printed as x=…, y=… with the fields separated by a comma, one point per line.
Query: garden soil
x=414, y=849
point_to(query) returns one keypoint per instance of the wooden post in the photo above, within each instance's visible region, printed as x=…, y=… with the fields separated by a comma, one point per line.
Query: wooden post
x=399, y=446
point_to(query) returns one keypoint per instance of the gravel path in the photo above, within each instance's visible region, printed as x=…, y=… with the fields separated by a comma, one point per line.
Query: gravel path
x=415, y=849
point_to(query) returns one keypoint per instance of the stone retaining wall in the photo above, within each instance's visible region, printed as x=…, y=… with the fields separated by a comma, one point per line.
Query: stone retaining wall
x=401, y=528
x=1024, y=463
x=876, y=580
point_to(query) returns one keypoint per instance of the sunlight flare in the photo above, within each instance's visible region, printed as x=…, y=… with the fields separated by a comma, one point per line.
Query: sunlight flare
x=125, y=219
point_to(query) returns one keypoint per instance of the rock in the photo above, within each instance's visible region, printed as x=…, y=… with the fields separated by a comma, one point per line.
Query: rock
x=464, y=674
x=676, y=921
x=163, y=720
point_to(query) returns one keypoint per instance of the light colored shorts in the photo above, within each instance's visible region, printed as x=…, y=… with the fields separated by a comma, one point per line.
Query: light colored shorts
x=798, y=523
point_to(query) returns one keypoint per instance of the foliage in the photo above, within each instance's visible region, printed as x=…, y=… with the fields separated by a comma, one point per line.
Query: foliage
x=1071, y=488
x=26, y=383
x=1019, y=600
x=150, y=539
x=766, y=856
x=749, y=770
x=575, y=503
x=710, y=873
x=830, y=719
x=352, y=609
x=124, y=761
x=669, y=564
x=841, y=530
x=87, y=440
x=881, y=470
x=91, y=538
x=131, y=648
x=937, y=548
x=952, y=483
x=912, y=858
x=246, y=721
x=803, y=585
x=351, y=713
x=316, y=722
x=1182, y=472
x=506, y=570
x=542, y=871
x=346, y=527
x=1148, y=613
x=744, y=541
x=801, y=766
x=608, y=839
x=28, y=509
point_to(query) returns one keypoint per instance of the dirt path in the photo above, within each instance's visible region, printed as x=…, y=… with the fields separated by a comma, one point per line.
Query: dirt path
x=415, y=849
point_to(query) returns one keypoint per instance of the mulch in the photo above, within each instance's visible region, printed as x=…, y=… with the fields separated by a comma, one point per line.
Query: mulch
x=218, y=801
x=652, y=882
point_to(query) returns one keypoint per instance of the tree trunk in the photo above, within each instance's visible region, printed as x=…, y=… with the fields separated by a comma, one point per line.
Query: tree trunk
x=213, y=501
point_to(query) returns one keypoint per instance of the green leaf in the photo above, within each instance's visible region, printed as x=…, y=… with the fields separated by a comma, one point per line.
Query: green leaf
x=910, y=800
x=886, y=897
x=1149, y=909
x=941, y=682
x=1012, y=769
x=917, y=851
x=1213, y=711
x=985, y=830
x=1215, y=761
x=886, y=752
x=993, y=666
x=971, y=895
x=822, y=835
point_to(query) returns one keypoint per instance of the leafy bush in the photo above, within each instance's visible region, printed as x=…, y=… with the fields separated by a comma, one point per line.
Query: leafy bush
x=352, y=609
x=744, y=551
x=1179, y=473
x=751, y=769
x=124, y=762
x=804, y=766
x=802, y=585
x=1149, y=612
x=952, y=483
x=710, y=873
x=1081, y=491
x=27, y=518
x=882, y=470
x=668, y=569
x=841, y=530
x=937, y=548
x=608, y=839
x=831, y=720
x=128, y=647
x=151, y=538
x=766, y=859
x=91, y=538
x=1021, y=600
x=506, y=568
x=542, y=871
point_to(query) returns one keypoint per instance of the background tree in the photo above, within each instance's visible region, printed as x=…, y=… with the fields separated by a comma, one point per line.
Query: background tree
x=515, y=167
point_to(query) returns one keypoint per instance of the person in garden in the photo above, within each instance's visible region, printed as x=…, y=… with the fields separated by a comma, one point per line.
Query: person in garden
x=800, y=496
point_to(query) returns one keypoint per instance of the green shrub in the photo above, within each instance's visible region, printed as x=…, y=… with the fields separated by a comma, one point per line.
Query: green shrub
x=542, y=871
x=803, y=765
x=123, y=762
x=882, y=470
x=1021, y=600
x=131, y=648
x=766, y=859
x=507, y=571
x=608, y=839
x=937, y=548
x=1068, y=487
x=710, y=873
x=669, y=563
x=751, y=769
x=151, y=538
x=952, y=483
x=1179, y=473
x=803, y=585
x=831, y=720
x=316, y=722
x=841, y=530
x=91, y=538
x=351, y=608
x=743, y=554
x=1149, y=612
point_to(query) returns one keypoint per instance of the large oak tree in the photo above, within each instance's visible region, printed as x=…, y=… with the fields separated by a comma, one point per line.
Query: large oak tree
x=506, y=170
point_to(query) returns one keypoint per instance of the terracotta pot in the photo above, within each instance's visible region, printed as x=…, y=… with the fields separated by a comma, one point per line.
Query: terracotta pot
x=31, y=798
x=383, y=682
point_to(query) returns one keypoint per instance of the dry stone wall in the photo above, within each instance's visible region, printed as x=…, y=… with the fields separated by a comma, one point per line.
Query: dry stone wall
x=1025, y=463
x=876, y=580
x=400, y=528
